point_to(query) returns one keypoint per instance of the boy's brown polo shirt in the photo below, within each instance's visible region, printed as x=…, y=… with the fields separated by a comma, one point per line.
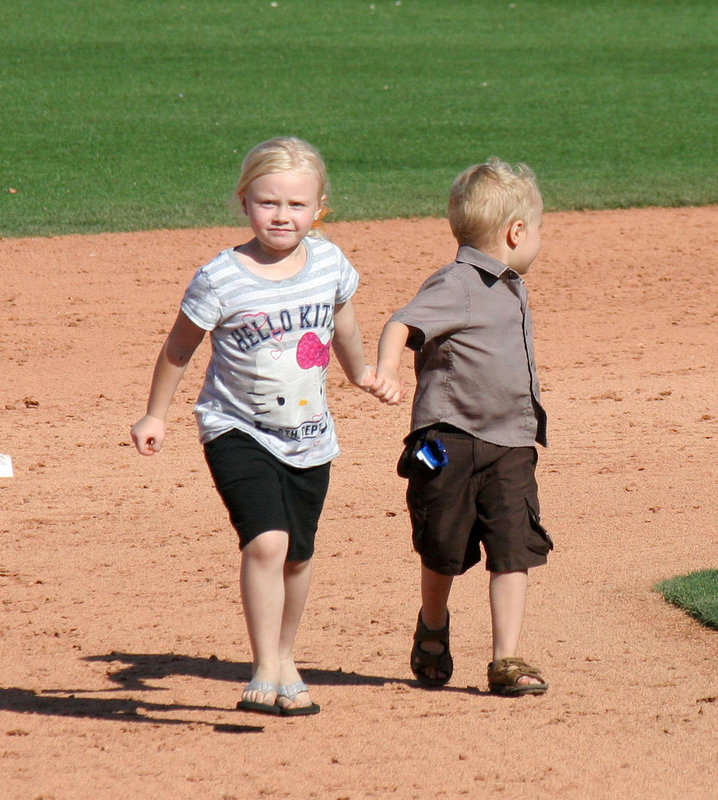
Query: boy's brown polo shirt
x=475, y=366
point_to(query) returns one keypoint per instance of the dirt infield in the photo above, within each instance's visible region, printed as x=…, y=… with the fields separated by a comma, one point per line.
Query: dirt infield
x=123, y=648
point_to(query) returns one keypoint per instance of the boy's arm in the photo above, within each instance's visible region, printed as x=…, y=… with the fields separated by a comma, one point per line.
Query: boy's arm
x=349, y=348
x=149, y=433
x=388, y=386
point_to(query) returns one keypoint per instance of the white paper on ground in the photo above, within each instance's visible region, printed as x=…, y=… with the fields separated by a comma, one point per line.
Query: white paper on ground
x=5, y=466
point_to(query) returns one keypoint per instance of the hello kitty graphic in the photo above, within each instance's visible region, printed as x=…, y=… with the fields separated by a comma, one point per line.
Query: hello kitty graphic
x=259, y=328
x=289, y=399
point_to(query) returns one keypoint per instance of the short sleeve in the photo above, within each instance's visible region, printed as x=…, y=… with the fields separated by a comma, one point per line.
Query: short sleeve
x=439, y=308
x=200, y=302
x=348, y=280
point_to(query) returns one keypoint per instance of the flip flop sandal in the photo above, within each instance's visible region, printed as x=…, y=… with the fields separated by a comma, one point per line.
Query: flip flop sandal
x=259, y=708
x=421, y=660
x=290, y=692
x=505, y=673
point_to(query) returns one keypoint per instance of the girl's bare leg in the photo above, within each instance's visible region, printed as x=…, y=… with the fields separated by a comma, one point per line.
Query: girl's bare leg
x=297, y=579
x=263, y=598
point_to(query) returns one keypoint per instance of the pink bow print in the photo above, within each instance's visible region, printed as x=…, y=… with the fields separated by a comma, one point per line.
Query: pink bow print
x=311, y=352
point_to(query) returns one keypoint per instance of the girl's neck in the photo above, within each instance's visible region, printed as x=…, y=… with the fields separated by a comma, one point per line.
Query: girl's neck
x=275, y=266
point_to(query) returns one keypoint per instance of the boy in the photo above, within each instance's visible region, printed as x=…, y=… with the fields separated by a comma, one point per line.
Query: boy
x=470, y=458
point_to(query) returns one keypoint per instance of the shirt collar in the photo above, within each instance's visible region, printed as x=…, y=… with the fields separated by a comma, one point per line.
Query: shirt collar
x=476, y=258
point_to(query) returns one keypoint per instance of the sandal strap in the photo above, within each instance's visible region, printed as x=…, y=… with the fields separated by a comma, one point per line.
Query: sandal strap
x=265, y=687
x=424, y=634
x=508, y=671
x=422, y=659
x=291, y=690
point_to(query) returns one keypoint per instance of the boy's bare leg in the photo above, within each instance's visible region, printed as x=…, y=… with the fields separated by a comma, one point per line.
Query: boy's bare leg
x=507, y=597
x=263, y=598
x=297, y=579
x=435, y=590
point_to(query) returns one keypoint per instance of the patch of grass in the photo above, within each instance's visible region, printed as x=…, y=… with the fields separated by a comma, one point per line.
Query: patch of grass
x=696, y=593
x=136, y=114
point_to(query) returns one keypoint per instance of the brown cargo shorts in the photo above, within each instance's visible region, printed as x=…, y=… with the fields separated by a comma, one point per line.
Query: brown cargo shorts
x=487, y=494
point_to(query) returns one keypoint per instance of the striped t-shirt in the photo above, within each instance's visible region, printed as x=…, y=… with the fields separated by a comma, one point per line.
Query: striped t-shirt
x=271, y=343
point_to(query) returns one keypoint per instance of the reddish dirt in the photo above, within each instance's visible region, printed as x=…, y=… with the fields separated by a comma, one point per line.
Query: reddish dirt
x=123, y=647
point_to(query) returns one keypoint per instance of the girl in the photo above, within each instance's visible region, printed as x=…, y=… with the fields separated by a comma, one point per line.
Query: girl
x=274, y=306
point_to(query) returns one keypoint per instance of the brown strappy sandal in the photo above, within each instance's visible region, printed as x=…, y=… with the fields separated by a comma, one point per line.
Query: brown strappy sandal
x=505, y=673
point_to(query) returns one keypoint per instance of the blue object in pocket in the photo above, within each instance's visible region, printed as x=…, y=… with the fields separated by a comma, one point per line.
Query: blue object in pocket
x=433, y=454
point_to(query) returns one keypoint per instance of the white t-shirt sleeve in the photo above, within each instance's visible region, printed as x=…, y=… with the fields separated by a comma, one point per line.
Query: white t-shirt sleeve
x=201, y=303
x=348, y=280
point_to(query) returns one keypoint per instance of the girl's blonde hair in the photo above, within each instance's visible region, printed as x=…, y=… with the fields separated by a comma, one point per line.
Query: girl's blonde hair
x=486, y=198
x=278, y=155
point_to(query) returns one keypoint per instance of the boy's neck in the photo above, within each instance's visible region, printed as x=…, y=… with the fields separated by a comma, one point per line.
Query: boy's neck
x=492, y=250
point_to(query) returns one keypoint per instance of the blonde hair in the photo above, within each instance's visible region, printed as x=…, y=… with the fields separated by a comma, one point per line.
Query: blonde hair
x=486, y=198
x=279, y=155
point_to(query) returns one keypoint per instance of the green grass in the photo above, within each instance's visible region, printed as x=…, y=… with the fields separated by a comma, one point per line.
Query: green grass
x=696, y=593
x=135, y=114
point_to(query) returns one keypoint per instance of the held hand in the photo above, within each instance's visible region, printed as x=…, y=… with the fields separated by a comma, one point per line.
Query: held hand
x=148, y=435
x=367, y=378
x=388, y=387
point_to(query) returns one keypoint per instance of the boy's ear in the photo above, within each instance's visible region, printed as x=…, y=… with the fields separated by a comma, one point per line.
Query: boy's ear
x=515, y=232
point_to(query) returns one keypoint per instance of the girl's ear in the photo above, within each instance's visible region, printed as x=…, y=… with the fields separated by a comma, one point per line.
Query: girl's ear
x=243, y=201
x=322, y=211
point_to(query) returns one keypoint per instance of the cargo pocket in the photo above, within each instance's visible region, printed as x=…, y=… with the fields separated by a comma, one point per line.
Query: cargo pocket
x=539, y=539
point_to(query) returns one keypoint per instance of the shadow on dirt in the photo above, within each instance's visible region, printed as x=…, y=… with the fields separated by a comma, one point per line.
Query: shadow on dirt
x=27, y=701
x=145, y=667
x=132, y=672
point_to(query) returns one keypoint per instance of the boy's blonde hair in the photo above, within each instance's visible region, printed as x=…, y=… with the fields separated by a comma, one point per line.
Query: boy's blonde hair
x=278, y=155
x=486, y=198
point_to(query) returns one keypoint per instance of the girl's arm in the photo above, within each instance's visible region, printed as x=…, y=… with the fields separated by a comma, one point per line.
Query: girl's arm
x=388, y=386
x=349, y=347
x=149, y=433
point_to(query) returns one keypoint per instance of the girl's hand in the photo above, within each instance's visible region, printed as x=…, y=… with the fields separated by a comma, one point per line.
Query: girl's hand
x=367, y=378
x=148, y=435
